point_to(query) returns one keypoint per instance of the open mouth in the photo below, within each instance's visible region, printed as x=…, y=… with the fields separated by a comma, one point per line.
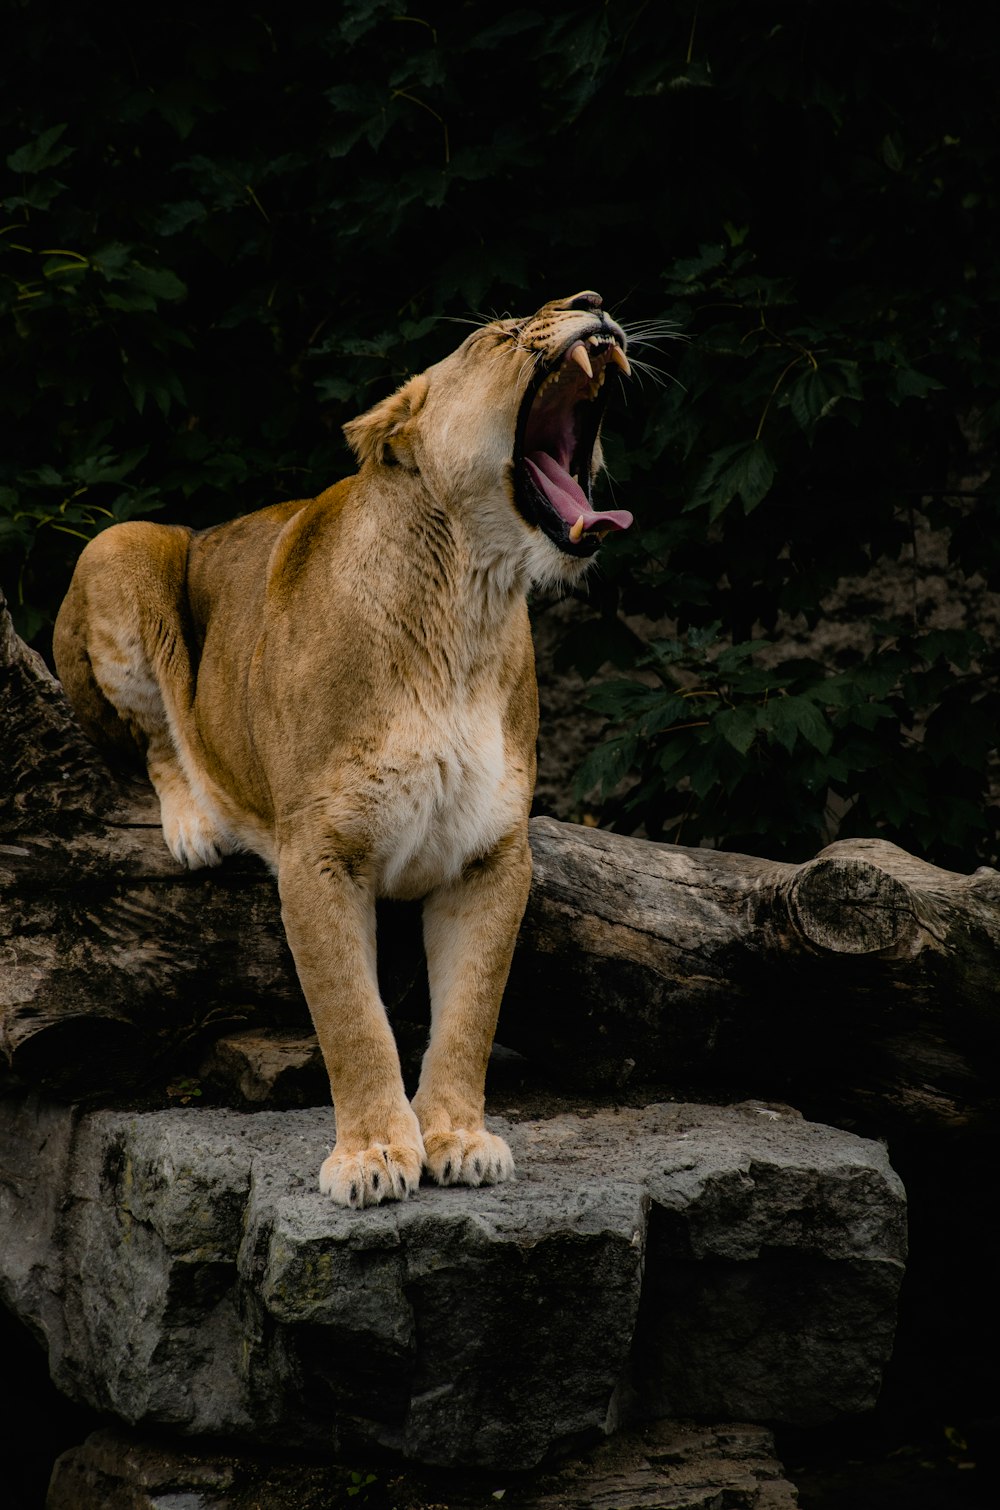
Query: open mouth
x=554, y=446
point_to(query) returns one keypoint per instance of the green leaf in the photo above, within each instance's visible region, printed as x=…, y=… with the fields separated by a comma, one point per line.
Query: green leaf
x=44, y=476
x=106, y=467
x=738, y=726
x=606, y=765
x=731, y=660
x=907, y=383
x=789, y=717
x=15, y=533
x=619, y=699
x=38, y=195
x=139, y=288
x=744, y=469
x=687, y=272
x=512, y=24
x=674, y=756
x=816, y=392
x=664, y=713
x=41, y=153
x=159, y=282
x=361, y=16
x=172, y=218
x=755, y=476
x=335, y=389
x=112, y=259
x=424, y=69
x=128, y=302
x=955, y=645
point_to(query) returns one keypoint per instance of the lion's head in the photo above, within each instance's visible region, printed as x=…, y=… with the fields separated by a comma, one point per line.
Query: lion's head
x=507, y=430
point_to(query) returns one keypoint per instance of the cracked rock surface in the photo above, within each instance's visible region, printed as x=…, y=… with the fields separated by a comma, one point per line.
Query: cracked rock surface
x=721, y=1263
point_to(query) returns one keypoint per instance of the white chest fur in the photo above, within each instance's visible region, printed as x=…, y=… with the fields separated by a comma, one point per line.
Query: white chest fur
x=454, y=794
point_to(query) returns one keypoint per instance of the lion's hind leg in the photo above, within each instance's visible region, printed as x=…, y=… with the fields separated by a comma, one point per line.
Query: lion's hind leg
x=122, y=655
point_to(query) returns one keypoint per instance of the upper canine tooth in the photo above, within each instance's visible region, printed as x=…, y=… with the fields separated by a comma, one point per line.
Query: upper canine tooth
x=580, y=357
x=621, y=360
x=577, y=530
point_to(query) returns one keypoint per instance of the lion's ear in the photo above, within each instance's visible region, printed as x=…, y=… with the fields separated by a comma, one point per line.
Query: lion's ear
x=383, y=434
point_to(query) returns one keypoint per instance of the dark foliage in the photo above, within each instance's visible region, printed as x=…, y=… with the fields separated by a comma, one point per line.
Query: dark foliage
x=228, y=230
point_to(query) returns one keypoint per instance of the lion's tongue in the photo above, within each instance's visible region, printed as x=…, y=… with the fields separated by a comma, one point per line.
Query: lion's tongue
x=568, y=498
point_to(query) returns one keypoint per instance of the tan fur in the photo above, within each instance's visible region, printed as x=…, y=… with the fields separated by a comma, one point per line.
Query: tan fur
x=345, y=685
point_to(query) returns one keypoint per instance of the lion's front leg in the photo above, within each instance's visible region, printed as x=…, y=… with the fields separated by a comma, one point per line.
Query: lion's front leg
x=329, y=919
x=469, y=931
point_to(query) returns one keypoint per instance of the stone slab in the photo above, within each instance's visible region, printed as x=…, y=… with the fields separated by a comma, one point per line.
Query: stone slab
x=185, y=1273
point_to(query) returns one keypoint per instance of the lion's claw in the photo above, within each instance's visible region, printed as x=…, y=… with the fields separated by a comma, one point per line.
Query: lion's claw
x=376, y=1174
x=459, y=1157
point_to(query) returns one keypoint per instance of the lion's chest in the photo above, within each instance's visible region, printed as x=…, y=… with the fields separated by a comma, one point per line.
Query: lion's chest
x=448, y=792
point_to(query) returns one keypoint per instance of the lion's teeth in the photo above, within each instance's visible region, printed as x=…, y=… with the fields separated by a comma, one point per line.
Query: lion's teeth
x=577, y=530
x=580, y=357
x=621, y=360
x=594, y=341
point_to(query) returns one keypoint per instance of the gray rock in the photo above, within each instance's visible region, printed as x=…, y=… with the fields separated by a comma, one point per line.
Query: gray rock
x=714, y=1262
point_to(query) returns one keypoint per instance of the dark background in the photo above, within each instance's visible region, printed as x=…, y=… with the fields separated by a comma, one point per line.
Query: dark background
x=226, y=231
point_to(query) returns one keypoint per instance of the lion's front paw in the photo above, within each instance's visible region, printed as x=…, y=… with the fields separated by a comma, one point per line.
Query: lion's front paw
x=383, y=1172
x=459, y=1157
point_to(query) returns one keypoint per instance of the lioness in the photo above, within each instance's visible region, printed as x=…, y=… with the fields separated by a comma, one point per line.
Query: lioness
x=346, y=686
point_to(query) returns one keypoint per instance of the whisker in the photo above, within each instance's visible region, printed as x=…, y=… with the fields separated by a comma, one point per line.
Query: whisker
x=463, y=320
x=531, y=360
x=650, y=322
x=477, y=318
x=657, y=375
x=650, y=334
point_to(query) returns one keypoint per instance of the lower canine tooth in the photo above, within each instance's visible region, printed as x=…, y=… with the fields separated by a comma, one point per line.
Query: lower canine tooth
x=577, y=530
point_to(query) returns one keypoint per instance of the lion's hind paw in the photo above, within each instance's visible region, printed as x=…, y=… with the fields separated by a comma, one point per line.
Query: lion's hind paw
x=376, y=1174
x=459, y=1157
x=192, y=836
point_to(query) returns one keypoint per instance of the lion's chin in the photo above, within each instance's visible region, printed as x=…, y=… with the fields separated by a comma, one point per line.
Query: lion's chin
x=549, y=568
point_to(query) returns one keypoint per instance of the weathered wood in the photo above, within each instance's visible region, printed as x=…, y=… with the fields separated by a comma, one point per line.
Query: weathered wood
x=864, y=973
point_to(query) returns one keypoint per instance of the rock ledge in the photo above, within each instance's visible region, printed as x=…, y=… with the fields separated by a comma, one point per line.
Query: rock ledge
x=730, y=1263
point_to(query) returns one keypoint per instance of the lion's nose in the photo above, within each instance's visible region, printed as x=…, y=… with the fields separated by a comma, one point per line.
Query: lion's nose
x=587, y=300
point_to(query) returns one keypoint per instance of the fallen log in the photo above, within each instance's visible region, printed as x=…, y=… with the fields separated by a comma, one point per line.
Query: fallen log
x=863, y=979
x=864, y=973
